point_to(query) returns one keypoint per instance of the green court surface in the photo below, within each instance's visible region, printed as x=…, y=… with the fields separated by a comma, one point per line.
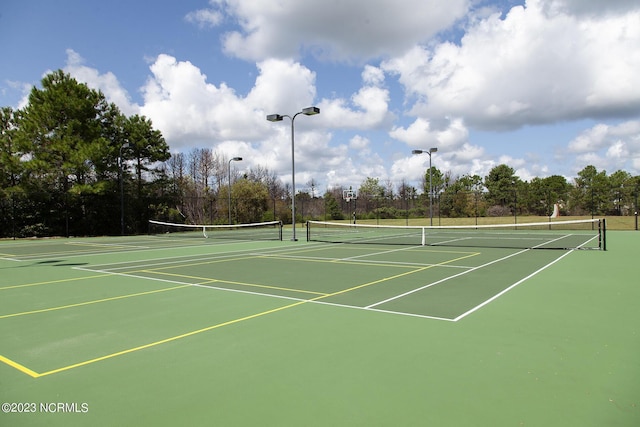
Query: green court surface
x=160, y=331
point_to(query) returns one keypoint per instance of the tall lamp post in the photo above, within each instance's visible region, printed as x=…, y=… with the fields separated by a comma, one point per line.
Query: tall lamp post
x=309, y=111
x=123, y=146
x=235, y=159
x=429, y=152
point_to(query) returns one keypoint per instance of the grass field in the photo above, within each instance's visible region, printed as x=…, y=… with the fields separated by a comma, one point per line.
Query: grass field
x=161, y=331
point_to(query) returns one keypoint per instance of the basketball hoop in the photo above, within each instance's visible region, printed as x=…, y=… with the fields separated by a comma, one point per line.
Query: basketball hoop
x=349, y=195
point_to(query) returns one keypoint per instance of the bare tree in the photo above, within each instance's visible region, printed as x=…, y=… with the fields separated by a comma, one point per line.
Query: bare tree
x=219, y=174
x=205, y=166
x=193, y=163
x=176, y=166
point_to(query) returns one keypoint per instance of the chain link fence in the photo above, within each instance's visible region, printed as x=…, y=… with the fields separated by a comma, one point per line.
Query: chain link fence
x=46, y=215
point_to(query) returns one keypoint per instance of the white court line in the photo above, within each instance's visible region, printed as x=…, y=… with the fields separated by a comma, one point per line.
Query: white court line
x=367, y=308
x=356, y=259
x=105, y=245
x=240, y=291
x=180, y=258
x=377, y=310
x=474, y=269
x=151, y=249
x=400, y=262
x=463, y=315
x=197, y=285
x=499, y=294
x=252, y=252
x=445, y=279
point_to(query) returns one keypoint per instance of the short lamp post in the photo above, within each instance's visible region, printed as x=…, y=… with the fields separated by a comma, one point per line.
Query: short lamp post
x=123, y=146
x=235, y=159
x=429, y=152
x=309, y=111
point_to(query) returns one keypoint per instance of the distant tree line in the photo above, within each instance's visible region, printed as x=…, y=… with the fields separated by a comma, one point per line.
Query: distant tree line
x=72, y=164
x=502, y=193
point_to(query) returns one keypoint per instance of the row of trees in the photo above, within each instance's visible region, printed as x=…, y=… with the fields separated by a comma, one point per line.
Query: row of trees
x=72, y=164
x=501, y=193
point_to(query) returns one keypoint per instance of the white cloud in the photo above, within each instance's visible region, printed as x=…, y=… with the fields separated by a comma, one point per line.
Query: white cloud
x=107, y=83
x=367, y=109
x=359, y=143
x=372, y=75
x=549, y=61
x=618, y=151
x=590, y=140
x=282, y=84
x=23, y=88
x=336, y=30
x=535, y=65
x=592, y=7
x=447, y=134
x=610, y=147
x=204, y=18
x=602, y=136
x=191, y=111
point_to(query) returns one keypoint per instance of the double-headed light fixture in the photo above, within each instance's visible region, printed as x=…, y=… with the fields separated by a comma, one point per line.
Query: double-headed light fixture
x=234, y=159
x=429, y=152
x=309, y=111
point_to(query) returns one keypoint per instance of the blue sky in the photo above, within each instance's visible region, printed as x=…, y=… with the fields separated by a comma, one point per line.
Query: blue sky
x=545, y=86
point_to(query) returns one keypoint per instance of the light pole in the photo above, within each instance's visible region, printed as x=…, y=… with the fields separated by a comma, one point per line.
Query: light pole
x=235, y=159
x=125, y=145
x=429, y=152
x=309, y=111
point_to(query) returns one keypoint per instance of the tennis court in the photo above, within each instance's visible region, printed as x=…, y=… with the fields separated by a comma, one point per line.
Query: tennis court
x=181, y=328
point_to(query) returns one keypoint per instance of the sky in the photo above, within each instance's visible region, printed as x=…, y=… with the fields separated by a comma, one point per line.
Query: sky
x=547, y=87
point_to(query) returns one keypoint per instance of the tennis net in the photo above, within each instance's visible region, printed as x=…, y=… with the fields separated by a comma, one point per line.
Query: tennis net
x=271, y=230
x=575, y=234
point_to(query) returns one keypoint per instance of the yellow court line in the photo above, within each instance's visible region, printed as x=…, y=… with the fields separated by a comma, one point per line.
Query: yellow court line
x=393, y=277
x=102, y=245
x=215, y=261
x=435, y=251
x=374, y=250
x=167, y=340
x=369, y=263
x=219, y=325
x=342, y=261
x=80, y=304
x=210, y=280
x=19, y=367
x=61, y=253
x=384, y=279
x=55, y=281
x=335, y=261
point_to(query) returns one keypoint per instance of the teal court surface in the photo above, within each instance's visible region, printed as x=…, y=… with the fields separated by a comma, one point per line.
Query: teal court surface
x=163, y=330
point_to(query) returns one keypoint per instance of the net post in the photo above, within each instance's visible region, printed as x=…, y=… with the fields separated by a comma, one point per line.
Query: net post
x=424, y=236
x=604, y=234
x=308, y=235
